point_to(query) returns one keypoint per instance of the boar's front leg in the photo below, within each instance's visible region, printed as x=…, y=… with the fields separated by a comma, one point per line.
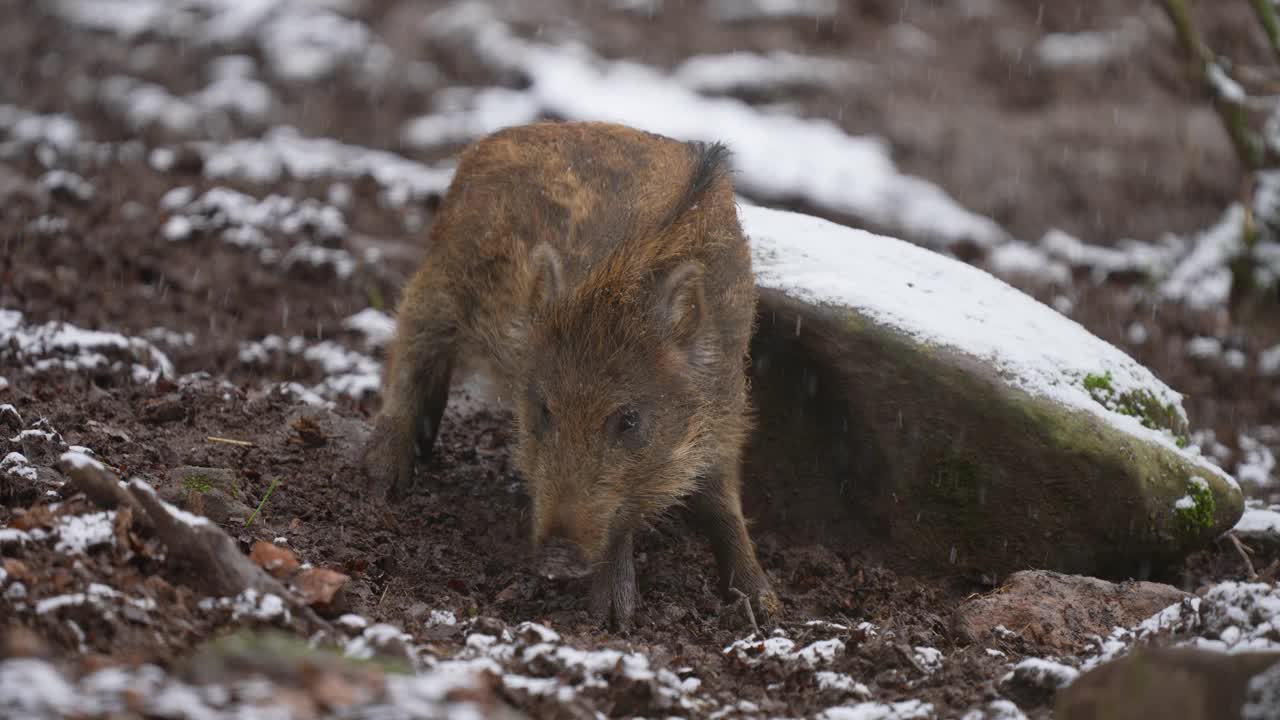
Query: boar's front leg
x=415, y=386
x=717, y=509
x=613, y=587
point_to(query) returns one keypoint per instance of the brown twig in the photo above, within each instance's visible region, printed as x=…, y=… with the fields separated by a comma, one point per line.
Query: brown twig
x=191, y=539
x=751, y=614
x=229, y=441
x=1244, y=551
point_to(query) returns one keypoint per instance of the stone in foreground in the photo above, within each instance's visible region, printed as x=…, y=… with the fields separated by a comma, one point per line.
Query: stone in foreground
x=978, y=429
x=1061, y=611
x=1176, y=683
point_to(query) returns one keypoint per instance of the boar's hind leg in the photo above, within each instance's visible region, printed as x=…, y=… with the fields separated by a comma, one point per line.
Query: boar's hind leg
x=613, y=588
x=717, y=509
x=415, y=388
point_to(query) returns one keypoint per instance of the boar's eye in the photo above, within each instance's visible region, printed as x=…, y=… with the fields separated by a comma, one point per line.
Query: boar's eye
x=624, y=425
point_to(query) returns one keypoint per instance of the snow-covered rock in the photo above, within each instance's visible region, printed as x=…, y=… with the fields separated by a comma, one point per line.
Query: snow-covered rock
x=988, y=431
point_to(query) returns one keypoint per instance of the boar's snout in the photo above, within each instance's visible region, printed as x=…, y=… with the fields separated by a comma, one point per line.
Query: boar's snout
x=562, y=560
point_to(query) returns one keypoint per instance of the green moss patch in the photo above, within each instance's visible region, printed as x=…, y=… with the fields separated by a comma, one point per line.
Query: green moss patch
x=197, y=483
x=1195, y=509
x=1140, y=404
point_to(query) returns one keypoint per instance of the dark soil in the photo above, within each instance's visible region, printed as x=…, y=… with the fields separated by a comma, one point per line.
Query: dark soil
x=1026, y=150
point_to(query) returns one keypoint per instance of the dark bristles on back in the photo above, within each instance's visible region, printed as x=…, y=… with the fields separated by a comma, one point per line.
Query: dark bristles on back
x=710, y=162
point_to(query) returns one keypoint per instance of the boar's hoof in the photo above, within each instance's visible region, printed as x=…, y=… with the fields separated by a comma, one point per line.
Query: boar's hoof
x=613, y=597
x=387, y=464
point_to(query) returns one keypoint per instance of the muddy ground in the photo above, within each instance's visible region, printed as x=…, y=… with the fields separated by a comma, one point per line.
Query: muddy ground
x=1112, y=151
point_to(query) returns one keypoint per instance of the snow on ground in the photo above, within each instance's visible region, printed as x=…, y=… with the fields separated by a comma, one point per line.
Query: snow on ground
x=1259, y=520
x=746, y=10
x=464, y=114
x=376, y=326
x=1202, y=279
x=943, y=302
x=1060, y=50
x=822, y=164
x=348, y=374
x=740, y=71
x=39, y=348
x=283, y=152
x=246, y=221
x=301, y=40
x=1257, y=465
x=233, y=93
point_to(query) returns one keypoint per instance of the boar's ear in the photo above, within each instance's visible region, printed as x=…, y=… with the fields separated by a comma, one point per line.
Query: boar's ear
x=546, y=277
x=682, y=303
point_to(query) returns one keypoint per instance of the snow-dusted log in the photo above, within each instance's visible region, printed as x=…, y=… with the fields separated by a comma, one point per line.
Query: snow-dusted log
x=980, y=430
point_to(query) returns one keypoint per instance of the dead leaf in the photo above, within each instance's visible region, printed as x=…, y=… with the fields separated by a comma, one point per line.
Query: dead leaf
x=307, y=433
x=322, y=589
x=16, y=569
x=276, y=560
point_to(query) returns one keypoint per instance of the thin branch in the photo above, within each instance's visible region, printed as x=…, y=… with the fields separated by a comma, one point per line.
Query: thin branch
x=1266, y=13
x=751, y=614
x=1243, y=550
x=1249, y=148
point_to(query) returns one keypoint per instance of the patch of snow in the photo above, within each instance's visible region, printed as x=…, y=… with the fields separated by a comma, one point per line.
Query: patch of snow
x=1257, y=467
x=301, y=40
x=282, y=151
x=56, y=345
x=1129, y=257
x=996, y=710
x=1202, y=278
x=942, y=302
x=774, y=156
x=904, y=710
x=377, y=327
x=246, y=221
x=929, y=658
x=1257, y=520
x=17, y=465
x=79, y=533
x=337, y=260
x=171, y=338
x=442, y=617
x=751, y=10
x=740, y=71
x=352, y=621
x=840, y=682
x=1042, y=673
x=13, y=536
x=1060, y=50
x=465, y=114
x=1137, y=333
x=1224, y=86
x=67, y=183
x=1203, y=348
x=1269, y=361
x=752, y=651
x=56, y=131
x=1017, y=258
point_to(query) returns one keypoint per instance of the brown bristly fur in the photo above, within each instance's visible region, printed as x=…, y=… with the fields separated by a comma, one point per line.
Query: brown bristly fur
x=601, y=273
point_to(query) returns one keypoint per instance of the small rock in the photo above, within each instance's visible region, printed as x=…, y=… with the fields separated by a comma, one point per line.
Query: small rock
x=212, y=492
x=1061, y=611
x=280, y=562
x=1174, y=682
x=1035, y=681
x=323, y=589
x=166, y=409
